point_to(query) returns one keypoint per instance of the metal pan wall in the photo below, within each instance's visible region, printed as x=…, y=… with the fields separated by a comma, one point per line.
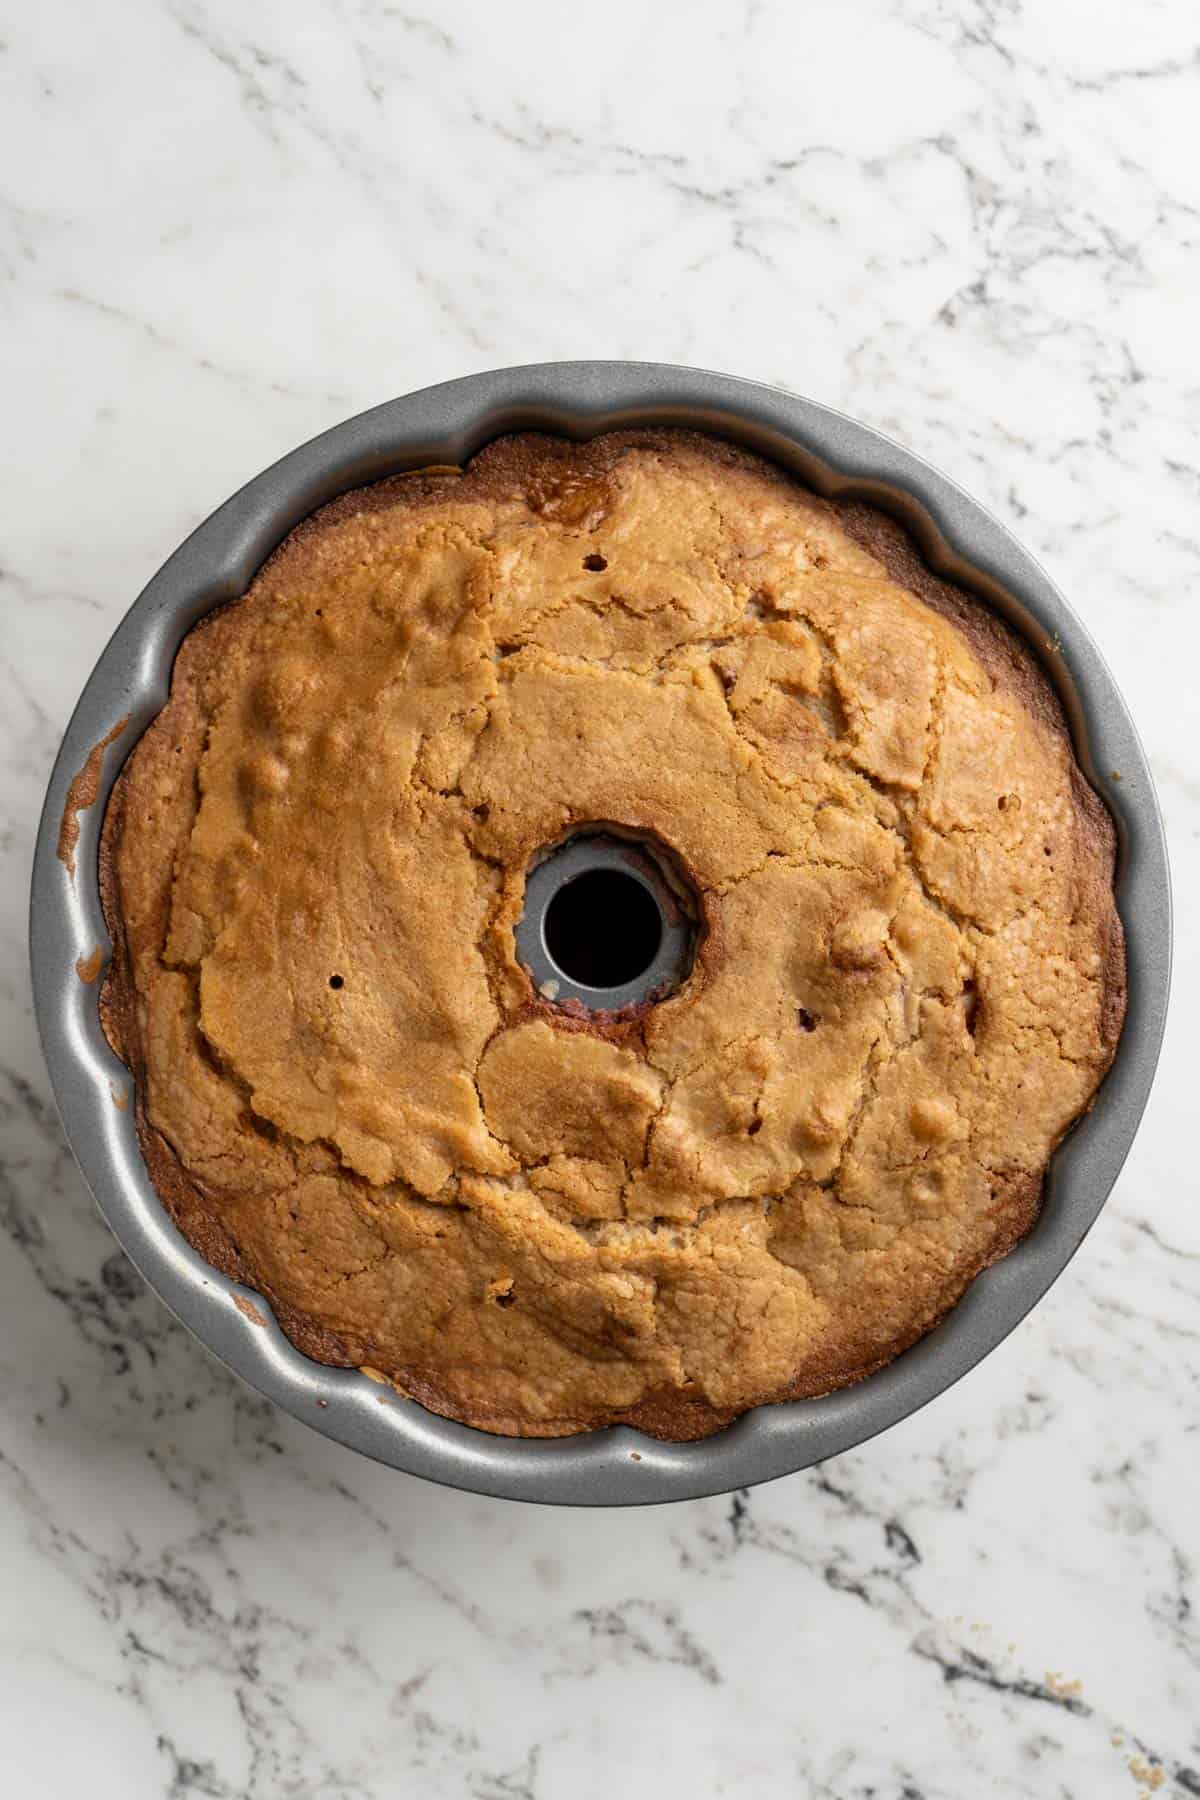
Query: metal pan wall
x=447, y=424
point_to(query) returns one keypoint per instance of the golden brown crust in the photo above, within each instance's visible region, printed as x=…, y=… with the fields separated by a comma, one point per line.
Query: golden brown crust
x=1007, y=660
x=909, y=984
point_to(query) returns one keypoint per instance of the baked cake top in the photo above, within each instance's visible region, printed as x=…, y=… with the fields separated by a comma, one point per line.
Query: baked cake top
x=908, y=981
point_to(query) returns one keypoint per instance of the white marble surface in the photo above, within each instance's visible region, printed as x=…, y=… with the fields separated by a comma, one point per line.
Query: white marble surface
x=223, y=226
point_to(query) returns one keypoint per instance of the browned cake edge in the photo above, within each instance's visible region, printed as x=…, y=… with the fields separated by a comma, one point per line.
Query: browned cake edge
x=505, y=468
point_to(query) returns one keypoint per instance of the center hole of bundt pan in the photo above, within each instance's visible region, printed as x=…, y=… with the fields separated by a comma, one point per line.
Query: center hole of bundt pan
x=603, y=928
x=608, y=923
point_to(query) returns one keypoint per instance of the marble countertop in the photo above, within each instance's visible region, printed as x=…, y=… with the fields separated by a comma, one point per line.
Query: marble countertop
x=973, y=223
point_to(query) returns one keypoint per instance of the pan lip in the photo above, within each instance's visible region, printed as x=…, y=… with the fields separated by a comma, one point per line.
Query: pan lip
x=447, y=423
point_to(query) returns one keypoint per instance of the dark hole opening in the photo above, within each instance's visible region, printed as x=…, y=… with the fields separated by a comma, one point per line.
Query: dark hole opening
x=603, y=929
x=595, y=562
x=336, y=981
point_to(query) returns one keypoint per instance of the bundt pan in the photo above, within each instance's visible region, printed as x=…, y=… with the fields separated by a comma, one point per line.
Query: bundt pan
x=448, y=424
